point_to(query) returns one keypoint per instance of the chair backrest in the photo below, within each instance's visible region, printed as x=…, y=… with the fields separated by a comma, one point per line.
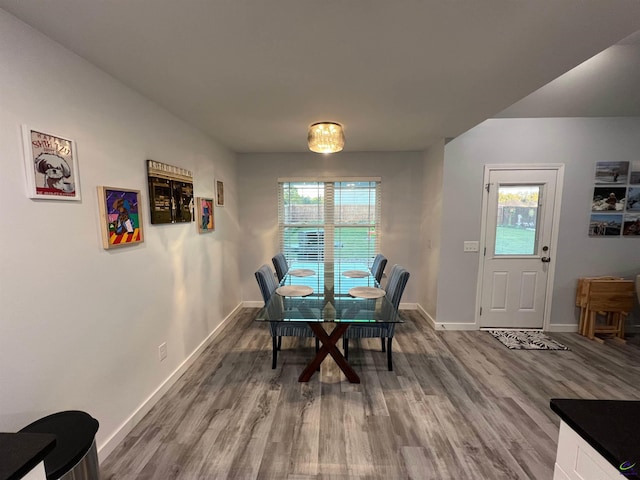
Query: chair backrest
x=398, y=279
x=377, y=267
x=611, y=295
x=281, y=265
x=266, y=282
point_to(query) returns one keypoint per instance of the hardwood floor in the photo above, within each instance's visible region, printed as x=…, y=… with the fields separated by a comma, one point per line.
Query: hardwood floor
x=458, y=405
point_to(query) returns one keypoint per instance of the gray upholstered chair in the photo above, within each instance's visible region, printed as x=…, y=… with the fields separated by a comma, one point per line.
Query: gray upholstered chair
x=377, y=267
x=281, y=265
x=267, y=283
x=398, y=279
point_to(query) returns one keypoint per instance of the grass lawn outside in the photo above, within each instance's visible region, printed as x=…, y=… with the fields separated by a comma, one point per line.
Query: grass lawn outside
x=515, y=241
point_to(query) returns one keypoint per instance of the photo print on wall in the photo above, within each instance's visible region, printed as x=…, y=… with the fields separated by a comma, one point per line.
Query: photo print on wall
x=170, y=193
x=615, y=204
x=51, y=166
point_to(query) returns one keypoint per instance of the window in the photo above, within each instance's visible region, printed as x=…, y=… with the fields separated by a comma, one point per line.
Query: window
x=335, y=221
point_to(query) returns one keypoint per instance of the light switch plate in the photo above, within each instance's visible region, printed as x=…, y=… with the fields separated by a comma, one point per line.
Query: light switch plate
x=471, y=246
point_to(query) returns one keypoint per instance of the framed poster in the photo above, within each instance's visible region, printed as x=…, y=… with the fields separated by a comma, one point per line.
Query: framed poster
x=219, y=193
x=206, y=221
x=170, y=193
x=120, y=217
x=51, y=165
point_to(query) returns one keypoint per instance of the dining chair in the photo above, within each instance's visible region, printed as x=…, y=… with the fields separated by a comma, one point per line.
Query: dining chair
x=281, y=265
x=268, y=285
x=377, y=267
x=398, y=278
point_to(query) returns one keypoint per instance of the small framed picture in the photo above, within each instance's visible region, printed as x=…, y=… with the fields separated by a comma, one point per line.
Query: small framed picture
x=120, y=217
x=605, y=225
x=205, y=219
x=219, y=193
x=51, y=165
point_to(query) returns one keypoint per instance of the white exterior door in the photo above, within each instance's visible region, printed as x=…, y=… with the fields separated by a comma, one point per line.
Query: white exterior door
x=519, y=219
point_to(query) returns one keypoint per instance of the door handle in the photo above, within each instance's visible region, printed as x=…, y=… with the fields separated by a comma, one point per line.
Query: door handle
x=545, y=259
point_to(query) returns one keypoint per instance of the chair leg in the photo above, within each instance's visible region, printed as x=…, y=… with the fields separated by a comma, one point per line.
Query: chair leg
x=345, y=347
x=275, y=352
x=279, y=343
x=382, y=341
x=317, y=344
x=389, y=357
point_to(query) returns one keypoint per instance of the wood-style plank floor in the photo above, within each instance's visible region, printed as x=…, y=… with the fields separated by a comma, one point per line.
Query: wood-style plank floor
x=458, y=405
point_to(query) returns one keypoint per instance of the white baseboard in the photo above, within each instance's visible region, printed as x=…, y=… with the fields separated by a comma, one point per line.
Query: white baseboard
x=562, y=327
x=408, y=306
x=446, y=326
x=112, y=442
x=252, y=304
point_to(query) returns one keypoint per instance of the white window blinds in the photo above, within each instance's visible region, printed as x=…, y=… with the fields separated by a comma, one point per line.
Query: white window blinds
x=336, y=221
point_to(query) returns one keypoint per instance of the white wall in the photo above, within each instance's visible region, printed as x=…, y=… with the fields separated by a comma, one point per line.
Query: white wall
x=430, y=228
x=401, y=174
x=576, y=142
x=80, y=326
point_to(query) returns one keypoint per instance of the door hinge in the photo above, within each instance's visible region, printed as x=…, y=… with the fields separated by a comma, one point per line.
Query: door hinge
x=480, y=311
x=487, y=187
x=485, y=252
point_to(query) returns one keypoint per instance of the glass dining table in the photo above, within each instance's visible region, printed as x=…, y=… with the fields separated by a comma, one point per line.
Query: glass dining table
x=329, y=293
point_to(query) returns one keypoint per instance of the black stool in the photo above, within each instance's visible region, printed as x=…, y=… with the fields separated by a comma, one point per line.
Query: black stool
x=74, y=456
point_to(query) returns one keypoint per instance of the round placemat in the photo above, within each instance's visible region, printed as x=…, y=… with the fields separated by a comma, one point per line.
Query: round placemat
x=367, y=292
x=302, y=272
x=355, y=273
x=294, y=291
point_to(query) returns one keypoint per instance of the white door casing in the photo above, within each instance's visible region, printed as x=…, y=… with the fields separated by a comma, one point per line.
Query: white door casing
x=518, y=250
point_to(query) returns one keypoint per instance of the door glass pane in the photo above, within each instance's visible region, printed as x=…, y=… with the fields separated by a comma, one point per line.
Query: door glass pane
x=517, y=222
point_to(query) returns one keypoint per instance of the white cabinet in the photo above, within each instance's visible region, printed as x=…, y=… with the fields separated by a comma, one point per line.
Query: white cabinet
x=577, y=460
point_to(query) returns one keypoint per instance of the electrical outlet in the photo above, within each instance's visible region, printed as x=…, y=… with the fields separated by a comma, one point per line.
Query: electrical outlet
x=162, y=351
x=471, y=246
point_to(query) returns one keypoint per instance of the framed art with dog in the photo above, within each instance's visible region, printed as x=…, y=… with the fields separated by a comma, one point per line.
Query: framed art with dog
x=51, y=166
x=120, y=217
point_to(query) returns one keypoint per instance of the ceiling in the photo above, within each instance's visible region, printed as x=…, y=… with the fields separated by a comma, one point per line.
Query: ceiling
x=397, y=74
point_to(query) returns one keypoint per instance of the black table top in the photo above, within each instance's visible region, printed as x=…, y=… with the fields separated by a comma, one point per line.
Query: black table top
x=611, y=427
x=20, y=452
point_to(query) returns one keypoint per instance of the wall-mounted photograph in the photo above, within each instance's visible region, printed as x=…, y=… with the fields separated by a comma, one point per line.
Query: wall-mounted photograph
x=170, y=193
x=121, y=221
x=219, y=193
x=633, y=199
x=634, y=176
x=612, y=172
x=603, y=225
x=631, y=225
x=51, y=165
x=608, y=199
x=206, y=221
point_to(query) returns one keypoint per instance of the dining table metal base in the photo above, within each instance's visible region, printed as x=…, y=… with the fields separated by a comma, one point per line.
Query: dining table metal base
x=328, y=347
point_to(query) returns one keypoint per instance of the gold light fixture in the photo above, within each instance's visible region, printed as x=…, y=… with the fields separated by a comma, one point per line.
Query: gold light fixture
x=326, y=137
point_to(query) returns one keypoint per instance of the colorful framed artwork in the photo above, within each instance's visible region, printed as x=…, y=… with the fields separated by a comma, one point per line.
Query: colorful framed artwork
x=206, y=221
x=219, y=193
x=51, y=166
x=121, y=217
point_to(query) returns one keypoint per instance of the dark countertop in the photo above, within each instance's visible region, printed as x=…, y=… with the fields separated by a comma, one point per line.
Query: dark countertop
x=20, y=452
x=612, y=427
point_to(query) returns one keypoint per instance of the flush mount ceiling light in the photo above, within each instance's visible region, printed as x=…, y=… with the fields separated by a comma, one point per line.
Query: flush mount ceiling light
x=326, y=137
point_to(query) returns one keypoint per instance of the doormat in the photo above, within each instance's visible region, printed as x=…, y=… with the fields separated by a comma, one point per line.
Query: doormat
x=526, y=340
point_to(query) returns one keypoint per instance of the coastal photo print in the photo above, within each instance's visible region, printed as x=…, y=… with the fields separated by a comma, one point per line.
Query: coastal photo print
x=633, y=199
x=605, y=225
x=120, y=217
x=612, y=172
x=634, y=176
x=205, y=219
x=51, y=166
